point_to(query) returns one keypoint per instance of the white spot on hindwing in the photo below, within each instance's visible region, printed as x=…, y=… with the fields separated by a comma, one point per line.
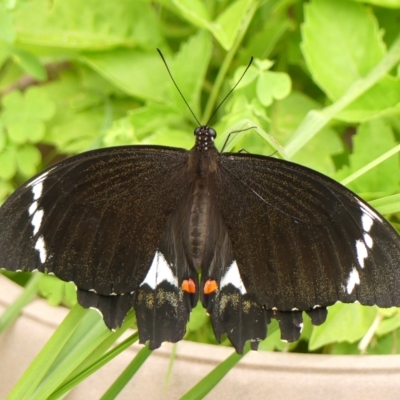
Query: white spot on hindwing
x=352, y=281
x=40, y=246
x=232, y=276
x=159, y=271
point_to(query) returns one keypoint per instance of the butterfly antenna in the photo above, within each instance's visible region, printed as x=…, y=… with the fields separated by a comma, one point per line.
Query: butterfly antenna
x=223, y=100
x=173, y=80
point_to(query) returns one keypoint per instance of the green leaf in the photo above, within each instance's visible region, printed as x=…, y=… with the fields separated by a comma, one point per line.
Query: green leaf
x=316, y=120
x=287, y=114
x=28, y=159
x=8, y=164
x=341, y=43
x=272, y=85
x=382, y=3
x=190, y=67
x=24, y=115
x=381, y=99
x=227, y=26
x=7, y=31
x=389, y=324
x=74, y=133
x=89, y=24
x=29, y=63
x=57, y=291
x=32, y=377
x=373, y=139
x=136, y=73
x=193, y=11
x=38, y=105
x=345, y=322
x=273, y=341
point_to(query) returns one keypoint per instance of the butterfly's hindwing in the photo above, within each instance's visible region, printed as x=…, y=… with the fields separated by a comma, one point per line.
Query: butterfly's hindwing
x=169, y=291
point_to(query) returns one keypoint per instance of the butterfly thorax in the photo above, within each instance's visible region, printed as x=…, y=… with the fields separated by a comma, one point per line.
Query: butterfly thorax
x=204, y=137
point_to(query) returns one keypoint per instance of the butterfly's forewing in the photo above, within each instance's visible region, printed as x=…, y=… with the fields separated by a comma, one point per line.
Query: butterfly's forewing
x=95, y=219
x=303, y=241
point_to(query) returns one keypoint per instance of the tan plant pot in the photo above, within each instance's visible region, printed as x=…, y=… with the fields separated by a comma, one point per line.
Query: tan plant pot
x=259, y=375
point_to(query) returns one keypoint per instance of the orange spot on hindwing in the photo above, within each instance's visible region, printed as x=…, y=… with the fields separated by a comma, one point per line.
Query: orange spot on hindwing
x=210, y=286
x=189, y=286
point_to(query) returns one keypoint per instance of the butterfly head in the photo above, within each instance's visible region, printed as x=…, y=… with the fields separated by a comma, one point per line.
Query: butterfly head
x=205, y=137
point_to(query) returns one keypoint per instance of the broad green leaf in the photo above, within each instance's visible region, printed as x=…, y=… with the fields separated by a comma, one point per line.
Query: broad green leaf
x=149, y=119
x=373, y=139
x=387, y=344
x=57, y=291
x=193, y=11
x=29, y=63
x=136, y=73
x=345, y=323
x=382, y=99
x=77, y=133
x=382, y=3
x=341, y=43
x=227, y=26
x=90, y=24
x=174, y=137
x=286, y=115
x=262, y=42
x=388, y=21
x=389, y=324
x=7, y=31
x=5, y=52
x=189, y=67
x=316, y=120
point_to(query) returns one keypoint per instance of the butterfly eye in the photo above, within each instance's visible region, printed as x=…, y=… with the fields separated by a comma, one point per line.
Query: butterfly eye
x=212, y=133
x=197, y=130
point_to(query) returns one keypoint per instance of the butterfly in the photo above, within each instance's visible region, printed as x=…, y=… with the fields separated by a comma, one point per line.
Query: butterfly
x=132, y=226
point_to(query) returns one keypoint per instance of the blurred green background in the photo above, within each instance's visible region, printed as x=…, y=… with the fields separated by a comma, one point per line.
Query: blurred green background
x=323, y=91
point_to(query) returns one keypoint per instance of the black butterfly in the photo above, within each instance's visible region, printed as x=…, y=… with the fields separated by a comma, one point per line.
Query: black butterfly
x=132, y=226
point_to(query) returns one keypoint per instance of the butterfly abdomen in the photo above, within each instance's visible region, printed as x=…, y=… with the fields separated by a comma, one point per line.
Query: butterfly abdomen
x=198, y=222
